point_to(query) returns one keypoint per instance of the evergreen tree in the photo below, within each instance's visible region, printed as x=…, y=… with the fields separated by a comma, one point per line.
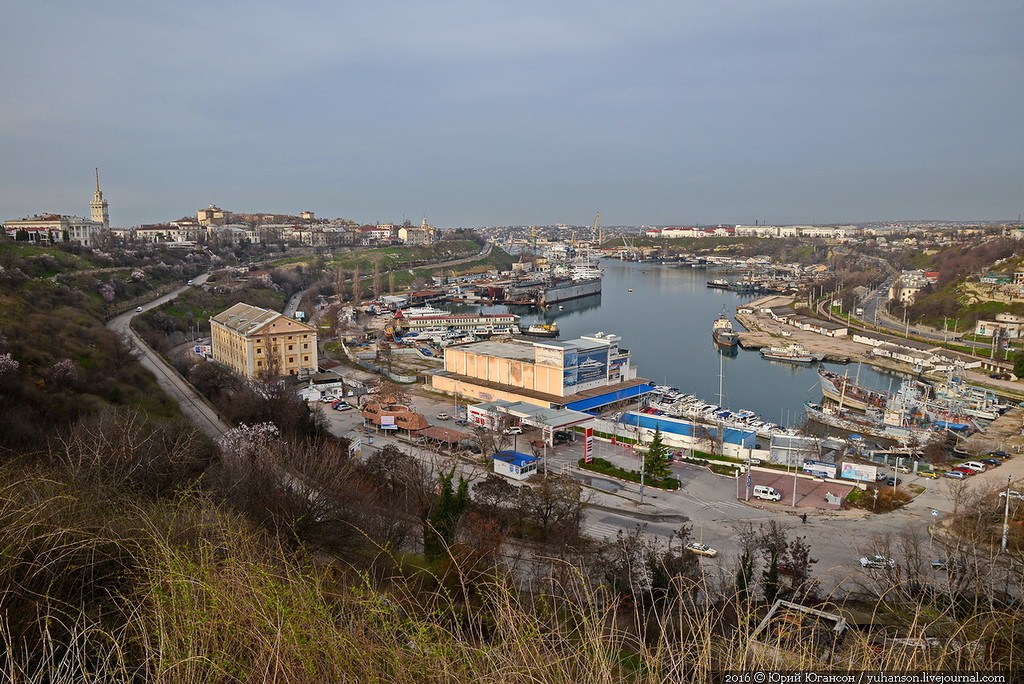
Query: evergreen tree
x=1018, y=364
x=656, y=464
x=744, y=575
x=770, y=579
x=451, y=503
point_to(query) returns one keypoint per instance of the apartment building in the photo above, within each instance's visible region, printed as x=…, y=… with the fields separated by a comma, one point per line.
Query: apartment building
x=256, y=342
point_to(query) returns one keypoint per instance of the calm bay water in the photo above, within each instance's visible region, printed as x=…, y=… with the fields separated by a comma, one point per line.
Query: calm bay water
x=665, y=322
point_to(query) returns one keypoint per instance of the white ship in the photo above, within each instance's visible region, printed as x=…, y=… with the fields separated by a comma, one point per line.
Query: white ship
x=793, y=352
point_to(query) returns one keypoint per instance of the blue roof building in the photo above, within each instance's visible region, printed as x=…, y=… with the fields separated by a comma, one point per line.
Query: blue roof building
x=514, y=464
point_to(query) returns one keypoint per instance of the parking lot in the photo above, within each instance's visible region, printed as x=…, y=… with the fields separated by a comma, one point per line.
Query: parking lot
x=810, y=493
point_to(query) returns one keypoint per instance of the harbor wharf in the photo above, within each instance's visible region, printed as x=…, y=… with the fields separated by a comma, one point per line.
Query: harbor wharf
x=762, y=330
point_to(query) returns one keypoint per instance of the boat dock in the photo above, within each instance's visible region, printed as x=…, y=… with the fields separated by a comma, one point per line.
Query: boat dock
x=1002, y=433
x=758, y=339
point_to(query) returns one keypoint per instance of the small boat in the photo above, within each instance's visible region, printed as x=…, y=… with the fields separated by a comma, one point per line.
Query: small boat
x=542, y=330
x=792, y=352
x=722, y=332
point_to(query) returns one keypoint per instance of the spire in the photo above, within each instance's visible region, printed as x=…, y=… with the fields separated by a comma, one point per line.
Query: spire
x=98, y=207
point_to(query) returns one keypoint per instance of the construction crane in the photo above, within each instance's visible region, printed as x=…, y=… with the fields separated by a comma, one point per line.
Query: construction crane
x=595, y=236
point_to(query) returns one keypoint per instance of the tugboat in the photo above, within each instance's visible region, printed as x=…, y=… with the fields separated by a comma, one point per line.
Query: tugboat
x=722, y=332
x=542, y=330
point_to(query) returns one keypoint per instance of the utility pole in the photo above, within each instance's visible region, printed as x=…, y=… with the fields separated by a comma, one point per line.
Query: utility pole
x=1006, y=516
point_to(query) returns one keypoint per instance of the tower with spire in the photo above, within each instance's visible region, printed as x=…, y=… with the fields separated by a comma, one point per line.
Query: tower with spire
x=98, y=206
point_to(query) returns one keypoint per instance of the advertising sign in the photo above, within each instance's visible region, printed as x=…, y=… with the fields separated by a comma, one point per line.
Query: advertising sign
x=355, y=448
x=588, y=445
x=546, y=356
x=388, y=423
x=569, y=377
x=592, y=365
x=856, y=471
x=569, y=359
x=820, y=468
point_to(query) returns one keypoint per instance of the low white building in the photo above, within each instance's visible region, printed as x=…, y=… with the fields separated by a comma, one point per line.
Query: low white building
x=515, y=464
x=52, y=228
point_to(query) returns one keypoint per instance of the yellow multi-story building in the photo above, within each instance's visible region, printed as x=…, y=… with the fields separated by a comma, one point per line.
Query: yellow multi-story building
x=257, y=342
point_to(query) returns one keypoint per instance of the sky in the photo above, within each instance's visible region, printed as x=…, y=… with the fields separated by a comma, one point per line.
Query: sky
x=532, y=112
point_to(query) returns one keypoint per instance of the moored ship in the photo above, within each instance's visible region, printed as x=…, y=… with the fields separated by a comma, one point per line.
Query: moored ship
x=848, y=394
x=793, y=352
x=542, y=330
x=570, y=289
x=722, y=332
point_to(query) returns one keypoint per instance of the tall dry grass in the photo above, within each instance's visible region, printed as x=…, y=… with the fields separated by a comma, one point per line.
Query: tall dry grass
x=97, y=588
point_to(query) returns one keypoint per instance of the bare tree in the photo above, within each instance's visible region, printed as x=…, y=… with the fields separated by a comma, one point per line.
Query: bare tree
x=339, y=283
x=357, y=287
x=126, y=450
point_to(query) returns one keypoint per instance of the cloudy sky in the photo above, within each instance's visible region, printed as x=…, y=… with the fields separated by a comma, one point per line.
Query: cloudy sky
x=474, y=113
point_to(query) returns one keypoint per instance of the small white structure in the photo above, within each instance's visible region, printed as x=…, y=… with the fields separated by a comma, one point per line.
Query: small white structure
x=514, y=464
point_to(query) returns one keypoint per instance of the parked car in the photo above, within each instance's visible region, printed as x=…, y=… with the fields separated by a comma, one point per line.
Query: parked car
x=894, y=481
x=879, y=476
x=928, y=473
x=991, y=462
x=442, y=416
x=902, y=469
x=514, y=430
x=343, y=407
x=701, y=549
x=956, y=474
x=960, y=469
x=1014, y=494
x=946, y=563
x=461, y=421
x=877, y=562
x=561, y=436
x=767, y=493
x=999, y=454
x=973, y=465
x=138, y=309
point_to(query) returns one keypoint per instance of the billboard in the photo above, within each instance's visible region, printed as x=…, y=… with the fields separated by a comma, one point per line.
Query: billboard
x=857, y=471
x=546, y=356
x=388, y=423
x=569, y=377
x=592, y=365
x=588, y=445
x=820, y=468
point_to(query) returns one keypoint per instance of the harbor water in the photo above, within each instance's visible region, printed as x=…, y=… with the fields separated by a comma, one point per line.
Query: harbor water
x=663, y=313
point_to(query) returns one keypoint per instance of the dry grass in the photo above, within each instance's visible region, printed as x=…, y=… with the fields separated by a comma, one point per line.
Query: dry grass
x=101, y=590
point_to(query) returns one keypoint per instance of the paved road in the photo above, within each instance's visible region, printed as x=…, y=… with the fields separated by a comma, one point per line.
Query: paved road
x=193, y=406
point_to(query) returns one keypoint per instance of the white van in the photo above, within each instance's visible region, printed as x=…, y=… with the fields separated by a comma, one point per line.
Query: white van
x=767, y=493
x=973, y=465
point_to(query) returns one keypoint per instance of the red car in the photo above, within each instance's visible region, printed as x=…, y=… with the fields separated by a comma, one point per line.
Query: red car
x=966, y=471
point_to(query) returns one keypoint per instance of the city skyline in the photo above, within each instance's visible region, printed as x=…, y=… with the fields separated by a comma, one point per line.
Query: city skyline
x=792, y=112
